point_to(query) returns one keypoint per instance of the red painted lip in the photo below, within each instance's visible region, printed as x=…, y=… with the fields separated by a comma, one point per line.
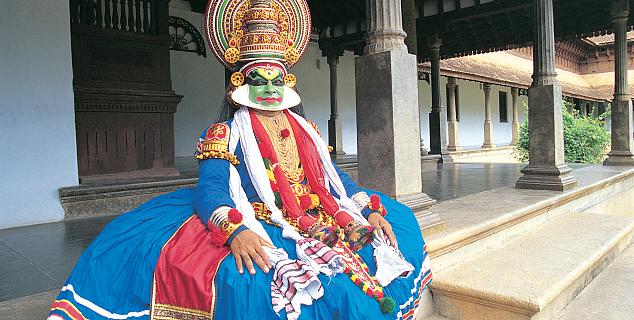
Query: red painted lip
x=268, y=100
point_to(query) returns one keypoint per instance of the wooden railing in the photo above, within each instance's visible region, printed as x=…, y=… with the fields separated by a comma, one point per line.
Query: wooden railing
x=138, y=16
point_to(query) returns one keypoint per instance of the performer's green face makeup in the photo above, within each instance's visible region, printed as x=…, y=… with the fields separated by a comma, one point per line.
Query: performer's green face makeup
x=266, y=87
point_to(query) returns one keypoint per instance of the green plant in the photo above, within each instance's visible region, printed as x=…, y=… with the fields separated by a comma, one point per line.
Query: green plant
x=585, y=139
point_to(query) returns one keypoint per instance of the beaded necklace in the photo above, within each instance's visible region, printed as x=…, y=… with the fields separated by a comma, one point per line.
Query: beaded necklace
x=285, y=147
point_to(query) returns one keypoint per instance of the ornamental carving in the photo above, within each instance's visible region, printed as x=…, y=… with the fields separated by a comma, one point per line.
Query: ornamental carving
x=185, y=37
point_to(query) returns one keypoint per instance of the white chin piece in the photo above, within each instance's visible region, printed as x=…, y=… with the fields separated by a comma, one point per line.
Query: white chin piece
x=289, y=100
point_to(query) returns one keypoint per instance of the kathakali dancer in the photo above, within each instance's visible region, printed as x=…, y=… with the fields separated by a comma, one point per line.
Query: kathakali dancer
x=274, y=229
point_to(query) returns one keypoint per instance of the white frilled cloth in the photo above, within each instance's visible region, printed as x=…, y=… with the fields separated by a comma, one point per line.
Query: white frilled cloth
x=288, y=291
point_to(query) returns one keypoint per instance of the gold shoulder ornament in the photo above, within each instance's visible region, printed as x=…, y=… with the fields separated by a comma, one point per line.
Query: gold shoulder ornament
x=215, y=144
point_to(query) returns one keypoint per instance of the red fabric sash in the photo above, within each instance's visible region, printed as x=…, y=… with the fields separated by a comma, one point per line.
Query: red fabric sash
x=311, y=163
x=185, y=272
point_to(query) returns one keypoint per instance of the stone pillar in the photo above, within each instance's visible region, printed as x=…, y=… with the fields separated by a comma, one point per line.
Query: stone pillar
x=453, y=144
x=515, y=126
x=335, y=131
x=488, y=123
x=437, y=116
x=546, y=169
x=388, y=130
x=621, y=153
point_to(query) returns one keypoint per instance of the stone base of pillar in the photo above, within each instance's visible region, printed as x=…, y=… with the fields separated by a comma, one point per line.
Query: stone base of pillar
x=437, y=132
x=454, y=148
x=619, y=158
x=488, y=133
x=430, y=223
x=622, y=153
x=452, y=128
x=515, y=133
x=556, y=178
x=334, y=127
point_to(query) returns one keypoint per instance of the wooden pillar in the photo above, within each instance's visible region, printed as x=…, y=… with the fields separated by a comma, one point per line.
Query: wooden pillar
x=621, y=153
x=452, y=126
x=546, y=169
x=437, y=116
x=335, y=130
x=409, y=25
x=488, y=122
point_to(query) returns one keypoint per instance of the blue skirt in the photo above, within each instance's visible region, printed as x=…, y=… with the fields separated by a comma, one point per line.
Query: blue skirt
x=113, y=279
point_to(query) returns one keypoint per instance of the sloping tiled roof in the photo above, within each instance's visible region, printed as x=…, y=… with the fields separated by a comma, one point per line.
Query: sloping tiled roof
x=607, y=39
x=505, y=69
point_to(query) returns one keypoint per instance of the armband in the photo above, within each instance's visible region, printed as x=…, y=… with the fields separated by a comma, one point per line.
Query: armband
x=374, y=206
x=215, y=144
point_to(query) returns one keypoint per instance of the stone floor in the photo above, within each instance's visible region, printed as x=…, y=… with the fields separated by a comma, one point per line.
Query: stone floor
x=35, y=259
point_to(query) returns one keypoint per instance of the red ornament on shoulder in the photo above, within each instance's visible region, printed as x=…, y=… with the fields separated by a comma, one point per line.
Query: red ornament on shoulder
x=234, y=216
x=285, y=133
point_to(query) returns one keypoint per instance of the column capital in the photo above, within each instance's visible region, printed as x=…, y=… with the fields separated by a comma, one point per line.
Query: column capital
x=434, y=41
x=486, y=87
x=451, y=82
x=330, y=50
x=620, y=9
x=515, y=91
x=385, y=26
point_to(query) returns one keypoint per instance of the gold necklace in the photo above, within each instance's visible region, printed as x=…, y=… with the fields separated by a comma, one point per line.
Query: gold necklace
x=285, y=147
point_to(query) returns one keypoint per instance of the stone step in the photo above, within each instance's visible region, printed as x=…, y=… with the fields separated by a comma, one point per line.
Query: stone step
x=486, y=219
x=534, y=275
x=609, y=296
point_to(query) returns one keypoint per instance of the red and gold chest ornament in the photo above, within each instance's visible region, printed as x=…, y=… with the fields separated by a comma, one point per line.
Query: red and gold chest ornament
x=215, y=144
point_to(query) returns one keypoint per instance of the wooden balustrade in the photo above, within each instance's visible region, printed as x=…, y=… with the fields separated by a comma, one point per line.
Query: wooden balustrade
x=137, y=16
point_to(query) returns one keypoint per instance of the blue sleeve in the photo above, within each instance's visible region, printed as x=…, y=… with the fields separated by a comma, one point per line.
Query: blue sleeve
x=351, y=187
x=212, y=191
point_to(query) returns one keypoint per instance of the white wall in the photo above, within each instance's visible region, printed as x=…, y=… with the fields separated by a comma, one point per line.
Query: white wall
x=37, y=122
x=201, y=82
x=471, y=101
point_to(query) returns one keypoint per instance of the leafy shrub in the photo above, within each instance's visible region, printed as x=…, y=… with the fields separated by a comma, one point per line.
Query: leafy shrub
x=585, y=139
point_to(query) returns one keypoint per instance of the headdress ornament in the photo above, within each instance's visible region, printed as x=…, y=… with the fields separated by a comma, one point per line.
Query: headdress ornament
x=241, y=32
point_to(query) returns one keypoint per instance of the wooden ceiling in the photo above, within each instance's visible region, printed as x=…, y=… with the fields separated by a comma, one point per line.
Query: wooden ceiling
x=466, y=26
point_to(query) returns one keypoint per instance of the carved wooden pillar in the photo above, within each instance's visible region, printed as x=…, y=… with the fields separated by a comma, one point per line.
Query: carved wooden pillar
x=335, y=130
x=437, y=116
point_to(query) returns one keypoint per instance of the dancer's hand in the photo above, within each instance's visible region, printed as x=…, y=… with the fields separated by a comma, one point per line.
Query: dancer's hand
x=382, y=226
x=247, y=247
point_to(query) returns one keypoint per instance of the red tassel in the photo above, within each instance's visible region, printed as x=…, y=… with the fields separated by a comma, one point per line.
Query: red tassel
x=305, y=202
x=285, y=133
x=375, y=202
x=234, y=216
x=306, y=222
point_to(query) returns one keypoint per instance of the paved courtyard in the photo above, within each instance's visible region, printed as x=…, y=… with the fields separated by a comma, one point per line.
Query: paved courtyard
x=36, y=259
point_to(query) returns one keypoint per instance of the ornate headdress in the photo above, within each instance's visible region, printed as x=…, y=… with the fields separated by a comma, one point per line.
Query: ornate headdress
x=267, y=34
